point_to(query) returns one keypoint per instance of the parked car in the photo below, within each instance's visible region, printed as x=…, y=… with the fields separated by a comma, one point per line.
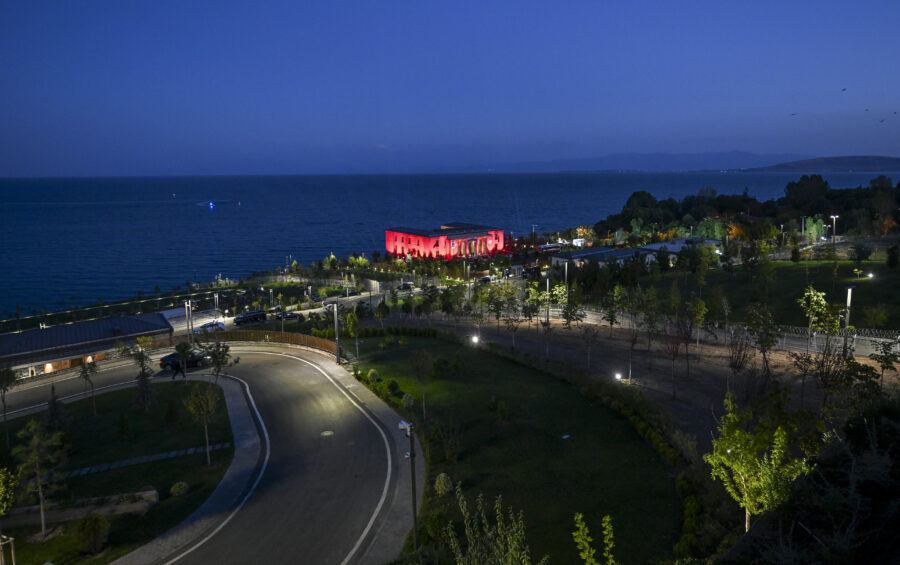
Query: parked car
x=210, y=327
x=198, y=358
x=287, y=316
x=484, y=280
x=406, y=286
x=255, y=316
x=351, y=292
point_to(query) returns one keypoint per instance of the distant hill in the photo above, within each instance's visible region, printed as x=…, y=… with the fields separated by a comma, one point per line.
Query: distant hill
x=646, y=162
x=860, y=164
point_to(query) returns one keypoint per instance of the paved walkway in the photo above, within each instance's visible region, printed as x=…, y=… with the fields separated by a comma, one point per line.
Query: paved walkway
x=138, y=460
x=230, y=493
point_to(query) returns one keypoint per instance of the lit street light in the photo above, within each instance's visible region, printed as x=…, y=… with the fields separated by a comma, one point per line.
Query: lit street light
x=834, y=229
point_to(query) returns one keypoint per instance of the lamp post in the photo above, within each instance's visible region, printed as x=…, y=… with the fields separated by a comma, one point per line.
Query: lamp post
x=834, y=229
x=337, y=337
x=408, y=428
x=847, y=317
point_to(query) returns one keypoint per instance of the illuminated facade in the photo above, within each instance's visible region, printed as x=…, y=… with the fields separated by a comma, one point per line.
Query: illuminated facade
x=449, y=242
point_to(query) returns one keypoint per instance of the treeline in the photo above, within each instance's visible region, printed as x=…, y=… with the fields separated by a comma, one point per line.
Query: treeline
x=863, y=211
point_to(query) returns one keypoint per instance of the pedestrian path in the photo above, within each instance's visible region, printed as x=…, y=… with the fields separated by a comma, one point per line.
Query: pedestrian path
x=138, y=460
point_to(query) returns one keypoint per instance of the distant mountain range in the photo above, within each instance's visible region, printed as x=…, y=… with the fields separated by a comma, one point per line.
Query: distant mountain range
x=862, y=164
x=685, y=162
x=649, y=162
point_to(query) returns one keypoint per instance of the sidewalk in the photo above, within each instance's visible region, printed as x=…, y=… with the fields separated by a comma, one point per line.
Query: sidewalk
x=228, y=495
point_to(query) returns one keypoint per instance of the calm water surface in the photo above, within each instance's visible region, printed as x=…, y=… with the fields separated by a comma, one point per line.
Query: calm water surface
x=72, y=241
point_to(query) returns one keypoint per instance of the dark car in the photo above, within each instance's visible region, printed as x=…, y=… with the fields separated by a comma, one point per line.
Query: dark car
x=351, y=292
x=406, y=286
x=287, y=316
x=246, y=317
x=198, y=358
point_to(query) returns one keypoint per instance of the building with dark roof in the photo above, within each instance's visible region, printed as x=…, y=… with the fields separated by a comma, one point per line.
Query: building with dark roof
x=450, y=241
x=35, y=352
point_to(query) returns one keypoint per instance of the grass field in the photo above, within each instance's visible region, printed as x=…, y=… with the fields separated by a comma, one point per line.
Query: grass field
x=95, y=440
x=788, y=283
x=602, y=467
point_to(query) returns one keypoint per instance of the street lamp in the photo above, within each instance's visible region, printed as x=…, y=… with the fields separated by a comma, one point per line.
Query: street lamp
x=475, y=339
x=618, y=376
x=834, y=229
x=847, y=317
x=408, y=428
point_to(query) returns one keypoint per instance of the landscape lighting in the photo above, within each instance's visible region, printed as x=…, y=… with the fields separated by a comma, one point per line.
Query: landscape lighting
x=618, y=376
x=871, y=275
x=474, y=339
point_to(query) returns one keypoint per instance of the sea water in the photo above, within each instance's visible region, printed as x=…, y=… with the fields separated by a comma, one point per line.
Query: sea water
x=66, y=242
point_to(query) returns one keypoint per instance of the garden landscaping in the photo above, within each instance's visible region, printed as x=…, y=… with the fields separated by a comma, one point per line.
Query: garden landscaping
x=504, y=429
x=118, y=433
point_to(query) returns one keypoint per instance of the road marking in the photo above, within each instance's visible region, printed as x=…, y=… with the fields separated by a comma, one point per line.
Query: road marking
x=262, y=470
x=387, y=450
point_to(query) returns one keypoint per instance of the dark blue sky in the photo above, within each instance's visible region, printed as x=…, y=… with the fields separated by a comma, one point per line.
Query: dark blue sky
x=131, y=88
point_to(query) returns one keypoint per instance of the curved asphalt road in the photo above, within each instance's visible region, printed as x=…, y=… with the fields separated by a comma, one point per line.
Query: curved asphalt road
x=333, y=481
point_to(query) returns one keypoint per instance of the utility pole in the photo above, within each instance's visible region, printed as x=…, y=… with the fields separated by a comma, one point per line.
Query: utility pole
x=404, y=425
x=337, y=337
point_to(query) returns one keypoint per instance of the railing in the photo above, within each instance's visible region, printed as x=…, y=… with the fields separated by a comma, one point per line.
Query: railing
x=263, y=336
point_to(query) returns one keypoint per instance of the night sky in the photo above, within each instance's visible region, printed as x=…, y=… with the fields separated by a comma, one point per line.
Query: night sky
x=169, y=88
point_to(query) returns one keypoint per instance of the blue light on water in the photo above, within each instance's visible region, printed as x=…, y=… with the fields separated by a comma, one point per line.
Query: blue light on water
x=211, y=206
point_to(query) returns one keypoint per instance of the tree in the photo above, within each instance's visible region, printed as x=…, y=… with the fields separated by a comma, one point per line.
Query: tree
x=381, y=312
x=351, y=320
x=220, y=357
x=672, y=348
x=612, y=305
x=7, y=382
x=56, y=414
x=93, y=532
x=512, y=317
x=502, y=542
x=421, y=364
x=755, y=467
x=815, y=308
x=893, y=257
x=591, y=335
x=582, y=537
x=39, y=454
x=203, y=404
x=140, y=354
x=183, y=351
x=88, y=371
x=885, y=357
x=765, y=332
x=740, y=353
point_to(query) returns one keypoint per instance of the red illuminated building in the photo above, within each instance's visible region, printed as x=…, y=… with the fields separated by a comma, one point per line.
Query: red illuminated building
x=449, y=242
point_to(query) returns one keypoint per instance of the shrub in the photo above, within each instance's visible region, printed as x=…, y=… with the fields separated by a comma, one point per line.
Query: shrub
x=393, y=386
x=435, y=523
x=409, y=402
x=443, y=485
x=92, y=533
x=372, y=376
x=179, y=489
x=684, y=484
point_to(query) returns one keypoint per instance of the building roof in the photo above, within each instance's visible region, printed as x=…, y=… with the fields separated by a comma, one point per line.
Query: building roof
x=454, y=229
x=601, y=254
x=92, y=335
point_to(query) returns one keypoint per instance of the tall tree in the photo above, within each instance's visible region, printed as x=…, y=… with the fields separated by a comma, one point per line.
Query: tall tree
x=381, y=312
x=7, y=382
x=39, y=454
x=87, y=373
x=755, y=466
x=203, y=406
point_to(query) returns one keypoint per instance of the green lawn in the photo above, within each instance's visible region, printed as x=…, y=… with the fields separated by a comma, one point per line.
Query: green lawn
x=604, y=467
x=788, y=283
x=95, y=440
